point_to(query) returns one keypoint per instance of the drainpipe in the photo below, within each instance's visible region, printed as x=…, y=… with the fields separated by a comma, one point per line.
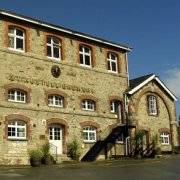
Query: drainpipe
x=127, y=145
x=127, y=68
x=126, y=105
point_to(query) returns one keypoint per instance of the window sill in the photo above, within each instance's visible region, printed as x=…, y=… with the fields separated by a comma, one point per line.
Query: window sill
x=153, y=115
x=17, y=102
x=54, y=59
x=165, y=144
x=89, y=142
x=85, y=66
x=55, y=106
x=88, y=110
x=17, y=139
x=120, y=143
x=16, y=50
x=113, y=72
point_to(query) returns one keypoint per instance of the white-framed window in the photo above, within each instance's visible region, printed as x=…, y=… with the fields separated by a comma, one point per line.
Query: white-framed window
x=89, y=134
x=16, y=130
x=120, y=139
x=116, y=107
x=55, y=133
x=88, y=105
x=16, y=95
x=165, y=138
x=53, y=48
x=16, y=38
x=85, y=56
x=55, y=100
x=112, y=62
x=152, y=105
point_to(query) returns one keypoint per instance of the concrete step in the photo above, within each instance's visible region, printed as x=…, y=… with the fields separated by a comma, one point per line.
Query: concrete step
x=63, y=158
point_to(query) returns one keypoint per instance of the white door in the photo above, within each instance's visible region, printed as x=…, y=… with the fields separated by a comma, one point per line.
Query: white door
x=55, y=138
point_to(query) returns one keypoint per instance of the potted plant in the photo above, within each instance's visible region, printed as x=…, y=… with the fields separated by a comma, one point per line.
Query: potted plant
x=47, y=158
x=35, y=157
x=74, y=150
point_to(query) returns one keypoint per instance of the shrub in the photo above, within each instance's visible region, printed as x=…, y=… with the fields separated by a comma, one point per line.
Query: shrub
x=74, y=149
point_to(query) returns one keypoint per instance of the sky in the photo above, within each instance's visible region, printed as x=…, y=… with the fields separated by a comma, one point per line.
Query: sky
x=150, y=27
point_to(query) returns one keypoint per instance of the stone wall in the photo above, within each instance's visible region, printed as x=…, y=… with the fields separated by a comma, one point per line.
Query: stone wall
x=32, y=70
x=165, y=120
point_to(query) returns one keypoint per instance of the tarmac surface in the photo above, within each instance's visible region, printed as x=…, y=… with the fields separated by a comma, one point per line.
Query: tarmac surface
x=121, y=169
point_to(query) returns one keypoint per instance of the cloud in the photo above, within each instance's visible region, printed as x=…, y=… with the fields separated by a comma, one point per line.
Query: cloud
x=172, y=80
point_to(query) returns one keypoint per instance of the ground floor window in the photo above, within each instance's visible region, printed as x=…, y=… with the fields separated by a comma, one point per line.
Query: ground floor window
x=165, y=138
x=120, y=139
x=16, y=130
x=89, y=134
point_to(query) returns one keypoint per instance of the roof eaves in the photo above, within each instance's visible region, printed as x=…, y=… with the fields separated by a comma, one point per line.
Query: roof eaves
x=68, y=31
x=165, y=88
x=132, y=91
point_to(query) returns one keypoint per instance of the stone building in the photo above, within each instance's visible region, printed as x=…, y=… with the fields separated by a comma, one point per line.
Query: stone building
x=57, y=85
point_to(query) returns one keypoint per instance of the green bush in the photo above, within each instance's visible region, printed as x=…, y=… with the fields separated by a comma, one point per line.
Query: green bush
x=74, y=149
x=36, y=154
x=46, y=149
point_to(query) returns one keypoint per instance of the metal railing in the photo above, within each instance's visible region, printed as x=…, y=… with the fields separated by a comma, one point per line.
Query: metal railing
x=53, y=151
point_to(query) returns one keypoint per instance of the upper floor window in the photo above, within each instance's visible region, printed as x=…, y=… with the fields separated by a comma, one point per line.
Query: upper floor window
x=85, y=56
x=88, y=105
x=112, y=62
x=152, y=105
x=16, y=38
x=165, y=138
x=53, y=47
x=17, y=95
x=89, y=134
x=16, y=130
x=116, y=107
x=55, y=100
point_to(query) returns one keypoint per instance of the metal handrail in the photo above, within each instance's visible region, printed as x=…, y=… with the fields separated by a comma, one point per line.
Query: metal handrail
x=53, y=150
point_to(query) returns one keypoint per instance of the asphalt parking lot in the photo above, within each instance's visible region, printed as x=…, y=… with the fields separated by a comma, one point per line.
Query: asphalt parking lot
x=165, y=168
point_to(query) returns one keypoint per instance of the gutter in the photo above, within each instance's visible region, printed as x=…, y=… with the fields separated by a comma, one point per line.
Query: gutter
x=43, y=24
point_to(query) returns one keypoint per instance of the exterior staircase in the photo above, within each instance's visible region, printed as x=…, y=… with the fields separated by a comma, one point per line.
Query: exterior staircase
x=92, y=154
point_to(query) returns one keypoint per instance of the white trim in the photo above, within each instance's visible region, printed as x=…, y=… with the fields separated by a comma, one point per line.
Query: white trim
x=110, y=61
x=86, y=103
x=64, y=30
x=127, y=66
x=141, y=85
x=132, y=91
x=89, y=130
x=165, y=88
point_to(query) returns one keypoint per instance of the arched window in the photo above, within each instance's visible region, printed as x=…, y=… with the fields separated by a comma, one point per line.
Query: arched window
x=152, y=105
x=85, y=56
x=17, y=95
x=89, y=134
x=88, y=105
x=53, y=48
x=112, y=62
x=55, y=100
x=16, y=129
x=16, y=38
x=165, y=138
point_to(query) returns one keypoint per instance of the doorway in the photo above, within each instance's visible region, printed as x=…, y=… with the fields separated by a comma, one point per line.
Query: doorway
x=55, y=137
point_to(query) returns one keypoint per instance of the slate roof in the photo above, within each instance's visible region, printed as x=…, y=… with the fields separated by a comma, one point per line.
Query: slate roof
x=138, y=83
